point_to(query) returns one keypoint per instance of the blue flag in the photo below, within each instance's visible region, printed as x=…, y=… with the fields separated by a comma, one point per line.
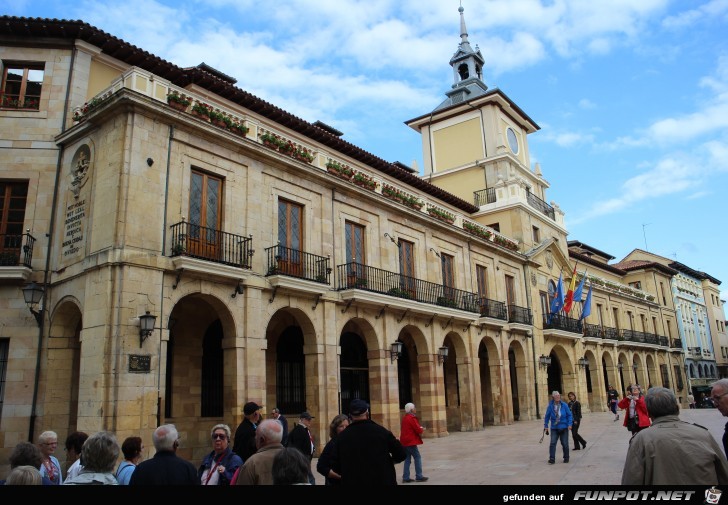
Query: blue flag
x=579, y=288
x=558, y=302
x=587, y=305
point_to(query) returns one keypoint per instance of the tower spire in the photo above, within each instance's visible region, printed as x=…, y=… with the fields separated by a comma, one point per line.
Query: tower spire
x=467, y=64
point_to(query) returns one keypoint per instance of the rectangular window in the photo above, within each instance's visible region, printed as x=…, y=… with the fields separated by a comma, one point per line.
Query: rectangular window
x=21, y=86
x=290, y=238
x=629, y=320
x=13, y=196
x=447, y=279
x=544, y=297
x=615, y=317
x=481, y=274
x=354, y=243
x=205, y=215
x=407, y=266
x=495, y=226
x=662, y=293
x=536, y=235
x=510, y=290
x=355, y=255
x=654, y=325
x=678, y=376
x=600, y=315
x=636, y=285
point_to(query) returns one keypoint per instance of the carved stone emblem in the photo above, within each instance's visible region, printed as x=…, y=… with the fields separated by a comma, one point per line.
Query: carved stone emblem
x=79, y=169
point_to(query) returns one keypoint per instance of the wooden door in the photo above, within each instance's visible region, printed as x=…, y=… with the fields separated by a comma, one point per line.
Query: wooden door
x=204, y=233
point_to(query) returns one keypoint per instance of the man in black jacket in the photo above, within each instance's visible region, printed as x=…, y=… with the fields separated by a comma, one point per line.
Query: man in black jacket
x=244, y=444
x=165, y=468
x=302, y=439
x=365, y=453
x=276, y=413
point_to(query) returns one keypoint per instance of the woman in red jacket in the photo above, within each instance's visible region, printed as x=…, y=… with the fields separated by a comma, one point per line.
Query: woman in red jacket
x=410, y=437
x=636, y=417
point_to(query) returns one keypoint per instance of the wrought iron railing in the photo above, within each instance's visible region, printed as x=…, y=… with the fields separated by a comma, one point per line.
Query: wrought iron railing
x=493, y=309
x=484, y=196
x=676, y=343
x=593, y=331
x=209, y=244
x=294, y=263
x=359, y=276
x=518, y=314
x=611, y=333
x=565, y=323
x=16, y=250
x=540, y=205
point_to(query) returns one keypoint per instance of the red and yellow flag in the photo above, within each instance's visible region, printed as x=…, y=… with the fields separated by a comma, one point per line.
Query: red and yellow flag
x=569, y=299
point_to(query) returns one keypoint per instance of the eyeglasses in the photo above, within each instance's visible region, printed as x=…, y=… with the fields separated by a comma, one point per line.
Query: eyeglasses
x=219, y=436
x=50, y=443
x=715, y=398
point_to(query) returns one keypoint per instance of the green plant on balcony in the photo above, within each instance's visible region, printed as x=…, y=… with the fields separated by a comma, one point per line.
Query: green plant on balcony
x=303, y=154
x=201, y=110
x=271, y=140
x=440, y=214
x=178, y=249
x=476, y=230
x=504, y=242
x=181, y=101
x=444, y=301
x=219, y=118
x=365, y=181
x=360, y=282
x=286, y=147
x=400, y=293
x=339, y=170
x=239, y=128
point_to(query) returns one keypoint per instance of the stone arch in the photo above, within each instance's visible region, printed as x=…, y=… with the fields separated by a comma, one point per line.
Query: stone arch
x=490, y=373
x=519, y=378
x=64, y=356
x=456, y=377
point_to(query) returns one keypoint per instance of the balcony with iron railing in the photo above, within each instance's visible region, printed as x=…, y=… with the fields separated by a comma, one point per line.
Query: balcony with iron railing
x=540, y=205
x=676, y=343
x=519, y=315
x=375, y=280
x=294, y=263
x=562, y=323
x=484, y=197
x=200, y=242
x=16, y=250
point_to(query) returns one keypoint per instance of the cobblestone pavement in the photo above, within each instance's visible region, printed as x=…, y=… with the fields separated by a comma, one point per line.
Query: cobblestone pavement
x=510, y=455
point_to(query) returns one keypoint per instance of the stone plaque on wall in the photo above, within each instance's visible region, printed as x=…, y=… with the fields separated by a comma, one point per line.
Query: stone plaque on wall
x=76, y=209
x=140, y=363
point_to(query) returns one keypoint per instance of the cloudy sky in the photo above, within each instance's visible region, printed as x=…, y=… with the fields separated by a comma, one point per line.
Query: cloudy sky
x=631, y=96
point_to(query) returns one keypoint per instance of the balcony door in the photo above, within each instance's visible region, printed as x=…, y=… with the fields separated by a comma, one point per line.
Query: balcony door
x=290, y=238
x=510, y=296
x=205, y=216
x=12, y=214
x=355, y=256
x=407, y=267
x=448, y=279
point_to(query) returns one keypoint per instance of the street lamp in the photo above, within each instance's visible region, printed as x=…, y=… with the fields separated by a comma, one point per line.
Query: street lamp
x=33, y=294
x=544, y=361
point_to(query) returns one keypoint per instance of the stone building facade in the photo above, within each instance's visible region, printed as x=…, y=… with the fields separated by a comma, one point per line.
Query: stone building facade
x=278, y=263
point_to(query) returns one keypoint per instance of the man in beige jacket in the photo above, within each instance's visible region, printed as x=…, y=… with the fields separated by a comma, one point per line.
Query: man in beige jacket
x=257, y=469
x=673, y=452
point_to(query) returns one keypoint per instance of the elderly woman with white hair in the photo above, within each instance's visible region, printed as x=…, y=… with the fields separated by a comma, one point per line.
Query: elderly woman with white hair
x=410, y=437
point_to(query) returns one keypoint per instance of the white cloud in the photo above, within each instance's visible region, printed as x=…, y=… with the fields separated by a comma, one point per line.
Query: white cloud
x=587, y=104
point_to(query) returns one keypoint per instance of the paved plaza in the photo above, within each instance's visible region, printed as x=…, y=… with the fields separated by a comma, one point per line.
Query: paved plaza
x=512, y=455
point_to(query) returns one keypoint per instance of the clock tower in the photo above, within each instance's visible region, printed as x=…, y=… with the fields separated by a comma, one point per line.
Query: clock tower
x=475, y=146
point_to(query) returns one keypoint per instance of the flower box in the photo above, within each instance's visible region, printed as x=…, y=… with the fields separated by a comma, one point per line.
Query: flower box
x=239, y=128
x=441, y=215
x=177, y=101
x=343, y=171
x=201, y=111
x=478, y=231
x=363, y=180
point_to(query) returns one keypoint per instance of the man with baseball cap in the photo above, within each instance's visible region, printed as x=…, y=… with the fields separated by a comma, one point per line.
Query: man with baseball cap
x=244, y=445
x=365, y=453
x=302, y=439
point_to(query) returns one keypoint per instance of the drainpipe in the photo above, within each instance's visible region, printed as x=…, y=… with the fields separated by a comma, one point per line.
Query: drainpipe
x=161, y=302
x=533, y=343
x=46, y=272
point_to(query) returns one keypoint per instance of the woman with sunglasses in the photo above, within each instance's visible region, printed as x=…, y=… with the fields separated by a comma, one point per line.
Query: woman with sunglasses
x=219, y=466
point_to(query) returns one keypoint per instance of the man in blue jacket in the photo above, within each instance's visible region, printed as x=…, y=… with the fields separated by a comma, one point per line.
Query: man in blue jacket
x=559, y=414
